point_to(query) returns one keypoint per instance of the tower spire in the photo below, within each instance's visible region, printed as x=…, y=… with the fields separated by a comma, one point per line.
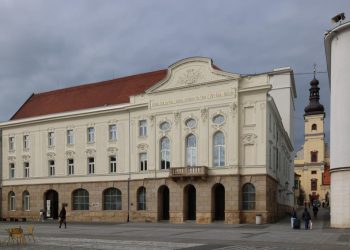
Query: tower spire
x=314, y=107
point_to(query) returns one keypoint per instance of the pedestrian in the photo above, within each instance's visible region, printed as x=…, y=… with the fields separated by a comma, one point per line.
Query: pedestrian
x=293, y=217
x=41, y=215
x=315, y=210
x=63, y=217
x=306, y=217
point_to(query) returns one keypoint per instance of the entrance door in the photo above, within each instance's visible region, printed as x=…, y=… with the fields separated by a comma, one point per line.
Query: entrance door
x=51, y=204
x=190, y=202
x=219, y=202
x=163, y=203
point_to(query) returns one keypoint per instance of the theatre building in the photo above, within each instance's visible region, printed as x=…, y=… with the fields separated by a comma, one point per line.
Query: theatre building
x=190, y=142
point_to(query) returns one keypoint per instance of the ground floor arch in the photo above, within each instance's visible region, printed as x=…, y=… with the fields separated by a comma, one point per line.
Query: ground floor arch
x=189, y=202
x=51, y=203
x=218, y=202
x=163, y=203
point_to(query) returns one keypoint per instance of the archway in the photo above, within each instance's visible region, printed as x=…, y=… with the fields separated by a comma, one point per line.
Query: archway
x=163, y=203
x=190, y=202
x=218, y=197
x=51, y=204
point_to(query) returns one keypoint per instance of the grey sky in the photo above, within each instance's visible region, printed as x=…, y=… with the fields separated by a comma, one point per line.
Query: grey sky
x=46, y=45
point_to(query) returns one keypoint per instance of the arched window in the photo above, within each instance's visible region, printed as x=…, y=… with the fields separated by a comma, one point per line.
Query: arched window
x=314, y=127
x=141, y=198
x=314, y=156
x=12, y=201
x=219, y=149
x=112, y=199
x=248, y=197
x=26, y=201
x=80, y=199
x=164, y=153
x=191, y=150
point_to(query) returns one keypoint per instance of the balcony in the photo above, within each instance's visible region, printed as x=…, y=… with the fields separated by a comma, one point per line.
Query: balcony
x=188, y=172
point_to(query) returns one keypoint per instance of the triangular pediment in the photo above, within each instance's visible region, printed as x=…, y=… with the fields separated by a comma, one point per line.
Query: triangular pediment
x=190, y=72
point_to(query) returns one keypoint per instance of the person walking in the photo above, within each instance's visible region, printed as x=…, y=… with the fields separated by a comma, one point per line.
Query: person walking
x=315, y=210
x=306, y=217
x=293, y=217
x=63, y=217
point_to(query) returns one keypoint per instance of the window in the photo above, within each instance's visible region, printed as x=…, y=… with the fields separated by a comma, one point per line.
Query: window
x=143, y=162
x=11, y=143
x=80, y=199
x=70, y=163
x=314, y=156
x=51, y=139
x=112, y=164
x=313, y=172
x=12, y=170
x=112, y=199
x=26, y=169
x=219, y=149
x=190, y=123
x=12, y=201
x=165, y=153
x=314, y=127
x=248, y=197
x=91, y=135
x=164, y=126
x=219, y=119
x=91, y=165
x=191, y=151
x=143, y=128
x=26, y=142
x=26, y=201
x=112, y=132
x=70, y=137
x=141, y=198
x=51, y=168
x=314, y=185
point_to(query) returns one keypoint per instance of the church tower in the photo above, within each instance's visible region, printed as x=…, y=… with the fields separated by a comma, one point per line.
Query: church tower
x=311, y=161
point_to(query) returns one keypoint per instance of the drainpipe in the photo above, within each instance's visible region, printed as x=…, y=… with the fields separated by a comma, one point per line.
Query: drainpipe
x=129, y=176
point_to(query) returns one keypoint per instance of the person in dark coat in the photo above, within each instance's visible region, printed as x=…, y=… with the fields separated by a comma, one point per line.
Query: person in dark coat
x=306, y=217
x=315, y=210
x=63, y=217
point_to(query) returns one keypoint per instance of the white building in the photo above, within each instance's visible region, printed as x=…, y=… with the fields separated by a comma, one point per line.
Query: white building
x=191, y=142
x=337, y=45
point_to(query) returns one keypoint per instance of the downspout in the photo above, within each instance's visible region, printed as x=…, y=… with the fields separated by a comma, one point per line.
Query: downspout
x=129, y=177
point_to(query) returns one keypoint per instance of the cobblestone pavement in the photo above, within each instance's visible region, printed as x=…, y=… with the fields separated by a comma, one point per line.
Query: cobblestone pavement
x=188, y=236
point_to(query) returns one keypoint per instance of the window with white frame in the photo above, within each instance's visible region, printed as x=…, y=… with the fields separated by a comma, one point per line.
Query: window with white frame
x=141, y=198
x=11, y=143
x=112, y=132
x=70, y=163
x=113, y=164
x=191, y=150
x=112, y=199
x=219, y=149
x=26, y=201
x=143, y=128
x=164, y=153
x=26, y=169
x=12, y=171
x=143, y=161
x=51, y=139
x=51, y=168
x=70, y=137
x=26, y=142
x=12, y=201
x=91, y=165
x=91, y=135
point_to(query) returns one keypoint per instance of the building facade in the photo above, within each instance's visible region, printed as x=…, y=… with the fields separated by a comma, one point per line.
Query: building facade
x=312, y=161
x=191, y=142
x=337, y=45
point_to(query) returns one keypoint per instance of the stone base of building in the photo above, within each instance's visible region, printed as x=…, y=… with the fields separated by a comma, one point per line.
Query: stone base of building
x=218, y=198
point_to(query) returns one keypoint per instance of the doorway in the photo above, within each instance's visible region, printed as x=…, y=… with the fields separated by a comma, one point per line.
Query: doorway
x=51, y=204
x=190, y=202
x=218, y=197
x=163, y=203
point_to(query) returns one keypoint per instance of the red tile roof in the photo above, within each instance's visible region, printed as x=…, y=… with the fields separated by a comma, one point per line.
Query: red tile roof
x=86, y=96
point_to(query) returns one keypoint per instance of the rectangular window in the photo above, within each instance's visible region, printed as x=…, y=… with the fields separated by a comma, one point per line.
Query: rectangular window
x=112, y=164
x=313, y=172
x=11, y=143
x=70, y=167
x=91, y=165
x=26, y=202
x=26, y=169
x=51, y=168
x=26, y=142
x=143, y=128
x=51, y=139
x=91, y=135
x=314, y=185
x=12, y=203
x=143, y=161
x=70, y=137
x=112, y=132
x=12, y=170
